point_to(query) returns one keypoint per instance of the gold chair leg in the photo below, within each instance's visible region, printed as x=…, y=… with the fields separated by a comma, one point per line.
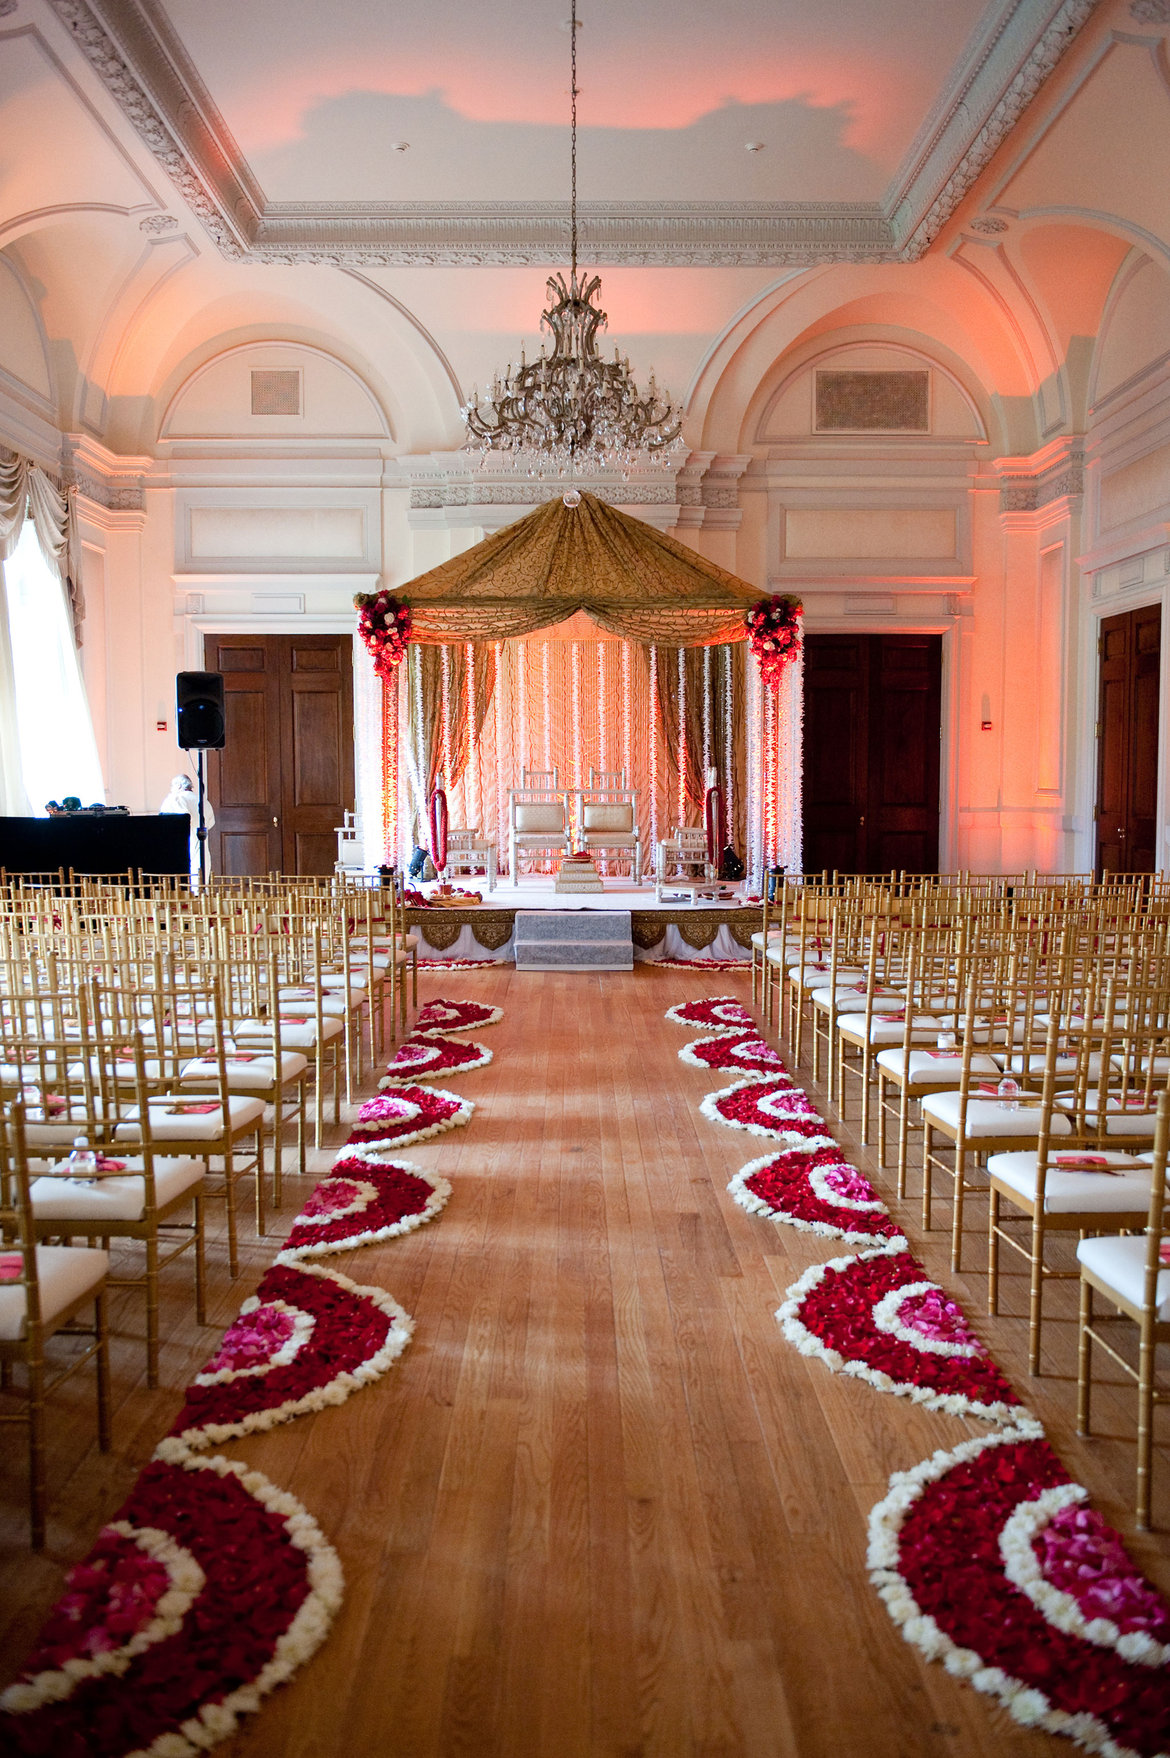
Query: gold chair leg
x=200, y=1261
x=229, y=1180
x=957, y=1210
x=1085, y=1359
x=152, y=1312
x=1036, y=1294
x=36, y=1452
x=927, y=1174
x=1145, y=1434
x=993, y=1252
x=101, y=1330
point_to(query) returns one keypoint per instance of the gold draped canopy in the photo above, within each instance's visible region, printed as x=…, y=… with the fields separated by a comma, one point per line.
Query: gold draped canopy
x=632, y=580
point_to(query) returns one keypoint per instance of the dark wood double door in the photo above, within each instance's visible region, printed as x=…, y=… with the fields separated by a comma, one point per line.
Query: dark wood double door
x=285, y=774
x=872, y=733
x=1130, y=650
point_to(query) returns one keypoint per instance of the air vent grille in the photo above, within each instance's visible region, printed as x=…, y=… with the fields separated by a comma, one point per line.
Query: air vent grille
x=873, y=402
x=276, y=392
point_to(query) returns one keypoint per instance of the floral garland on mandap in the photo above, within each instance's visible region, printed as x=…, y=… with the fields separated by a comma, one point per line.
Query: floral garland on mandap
x=773, y=628
x=384, y=624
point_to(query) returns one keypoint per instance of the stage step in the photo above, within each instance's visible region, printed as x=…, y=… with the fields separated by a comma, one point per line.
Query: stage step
x=576, y=940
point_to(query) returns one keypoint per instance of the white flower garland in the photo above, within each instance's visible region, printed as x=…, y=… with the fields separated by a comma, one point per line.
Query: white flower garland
x=1025, y=1703
x=308, y=1629
x=186, y=1583
x=435, y=1203
x=1016, y=1417
x=174, y=1447
x=1022, y=1567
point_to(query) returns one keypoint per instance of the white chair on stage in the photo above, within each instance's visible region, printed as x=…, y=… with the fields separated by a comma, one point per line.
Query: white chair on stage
x=538, y=820
x=608, y=822
x=678, y=856
x=470, y=853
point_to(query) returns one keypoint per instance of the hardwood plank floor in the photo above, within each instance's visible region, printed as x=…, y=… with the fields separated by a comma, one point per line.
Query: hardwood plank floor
x=600, y=1507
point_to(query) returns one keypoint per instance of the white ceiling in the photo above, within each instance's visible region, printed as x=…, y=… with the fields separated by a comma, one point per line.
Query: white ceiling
x=671, y=92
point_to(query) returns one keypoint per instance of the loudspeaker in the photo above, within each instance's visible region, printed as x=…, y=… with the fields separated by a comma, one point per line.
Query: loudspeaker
x=199, y=695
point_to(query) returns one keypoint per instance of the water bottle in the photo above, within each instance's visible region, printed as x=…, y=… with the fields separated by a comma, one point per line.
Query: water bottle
x=82, y=1162
x=1009, y=1093
x=34, y=1110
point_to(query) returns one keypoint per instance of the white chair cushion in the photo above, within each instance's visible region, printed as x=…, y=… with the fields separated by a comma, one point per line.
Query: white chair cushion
x=244, y=1076
x=598, y=817
x=189, y=1124
x=533, y=818
x=853, y=999
x=1034, y=1063
x=112, y=1199
x=1071, y=1193
x=66, y=1274
x=1122, y=1264
x=882, y=1030
x=610, y=839
x=1117, y=1121
x=934, y=1068
x=988, y=1118
x=301, y=1033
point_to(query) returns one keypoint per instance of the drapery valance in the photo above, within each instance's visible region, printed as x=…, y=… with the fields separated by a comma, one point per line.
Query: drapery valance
x=632, y=580
x=25, y=488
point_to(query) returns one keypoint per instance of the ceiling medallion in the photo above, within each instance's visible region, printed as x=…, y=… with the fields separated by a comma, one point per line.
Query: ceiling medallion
x=570, y=411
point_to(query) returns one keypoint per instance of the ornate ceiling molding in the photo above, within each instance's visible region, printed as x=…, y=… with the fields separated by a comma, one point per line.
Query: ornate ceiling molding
x=133, y=50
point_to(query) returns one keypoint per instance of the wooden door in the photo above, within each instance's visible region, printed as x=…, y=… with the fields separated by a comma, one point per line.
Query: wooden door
x=285, y=775
x=872, y=729
x=1130, y=649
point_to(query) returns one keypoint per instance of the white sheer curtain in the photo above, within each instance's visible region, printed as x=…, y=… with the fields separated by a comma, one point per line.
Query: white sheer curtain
x=49, y=723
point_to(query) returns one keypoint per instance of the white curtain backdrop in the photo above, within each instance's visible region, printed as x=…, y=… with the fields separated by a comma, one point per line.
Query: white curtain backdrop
x=45, y=715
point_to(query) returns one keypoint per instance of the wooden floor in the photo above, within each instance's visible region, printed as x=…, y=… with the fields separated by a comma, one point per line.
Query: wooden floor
x=600, y=1506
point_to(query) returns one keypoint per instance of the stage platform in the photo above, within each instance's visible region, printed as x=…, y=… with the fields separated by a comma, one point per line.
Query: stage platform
x=708, y=928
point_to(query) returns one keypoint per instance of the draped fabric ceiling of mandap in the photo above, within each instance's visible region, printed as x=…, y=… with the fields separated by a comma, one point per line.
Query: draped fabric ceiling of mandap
x=633, y=581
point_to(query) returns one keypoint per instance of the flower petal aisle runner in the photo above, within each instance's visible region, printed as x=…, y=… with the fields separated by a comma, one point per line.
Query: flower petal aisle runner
x=988, y=1557
x=212, y=1586
x=738, y=1053
x=455, y=1016
x=434, y=1056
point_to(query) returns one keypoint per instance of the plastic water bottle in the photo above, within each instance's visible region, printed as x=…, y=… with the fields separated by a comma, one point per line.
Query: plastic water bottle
x=82, y=1162
x=1009, y=1093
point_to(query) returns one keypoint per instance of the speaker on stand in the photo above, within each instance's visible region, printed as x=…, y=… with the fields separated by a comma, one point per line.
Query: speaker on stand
x=201, y=727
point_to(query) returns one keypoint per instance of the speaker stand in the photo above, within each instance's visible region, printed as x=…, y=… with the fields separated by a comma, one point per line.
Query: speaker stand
x=201, y=832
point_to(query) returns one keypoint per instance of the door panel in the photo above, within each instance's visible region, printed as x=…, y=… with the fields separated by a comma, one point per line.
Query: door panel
x=285, y=775
x=1127, y=741
x=871, y=752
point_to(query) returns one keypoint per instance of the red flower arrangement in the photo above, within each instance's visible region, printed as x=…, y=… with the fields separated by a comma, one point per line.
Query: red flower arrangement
x=773, y=628
x=815, y=1191
x=307, y=1339
x=364, y=1200
x=410, y=1113
x=719, y=1013
x=878, y=1318
x=121, y=1666
x=384, y=624
x=433, y=1055
x=740, y=1053
x=989, y=1561
x=457, y=1016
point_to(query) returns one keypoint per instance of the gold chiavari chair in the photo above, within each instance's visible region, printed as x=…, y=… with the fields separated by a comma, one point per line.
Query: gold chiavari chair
x=43, y=1289
x=1132, y=1274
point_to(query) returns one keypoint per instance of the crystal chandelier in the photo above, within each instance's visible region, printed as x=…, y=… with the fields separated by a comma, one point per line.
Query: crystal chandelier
x=570, y=411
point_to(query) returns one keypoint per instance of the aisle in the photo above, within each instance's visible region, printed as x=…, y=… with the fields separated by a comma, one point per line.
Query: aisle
x=600, y=1507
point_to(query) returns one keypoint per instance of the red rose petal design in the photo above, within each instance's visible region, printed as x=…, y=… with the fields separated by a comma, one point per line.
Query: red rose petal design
x=441, y=1015
x=779, y=1187
x=352, y=1328
x=425, y=1111
x=260, y=1570
x=403, y=1197
x=935, y=1554
x=718, y=1013
x=740, y=1052
x=830, y=1312
x=432, y=1056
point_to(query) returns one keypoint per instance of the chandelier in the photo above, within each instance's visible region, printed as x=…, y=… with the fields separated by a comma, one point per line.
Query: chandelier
x=569, y=410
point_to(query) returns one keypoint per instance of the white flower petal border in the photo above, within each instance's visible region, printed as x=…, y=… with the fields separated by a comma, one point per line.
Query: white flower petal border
x=308, y=1629
x=174, y=1447
x=435, y=1203
x=709, y=1106
x=1025, y=1703
x=1016, y=1418
x=755, y=1205
x=690, y=1054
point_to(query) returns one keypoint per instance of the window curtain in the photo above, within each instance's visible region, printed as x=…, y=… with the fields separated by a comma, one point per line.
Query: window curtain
x=47, y=745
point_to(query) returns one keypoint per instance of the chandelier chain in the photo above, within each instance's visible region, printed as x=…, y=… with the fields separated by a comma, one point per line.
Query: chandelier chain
x=569, y=409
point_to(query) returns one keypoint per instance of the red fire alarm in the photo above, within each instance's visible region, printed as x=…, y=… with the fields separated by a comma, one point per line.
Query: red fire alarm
x=160, y=726
x=984, y=726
